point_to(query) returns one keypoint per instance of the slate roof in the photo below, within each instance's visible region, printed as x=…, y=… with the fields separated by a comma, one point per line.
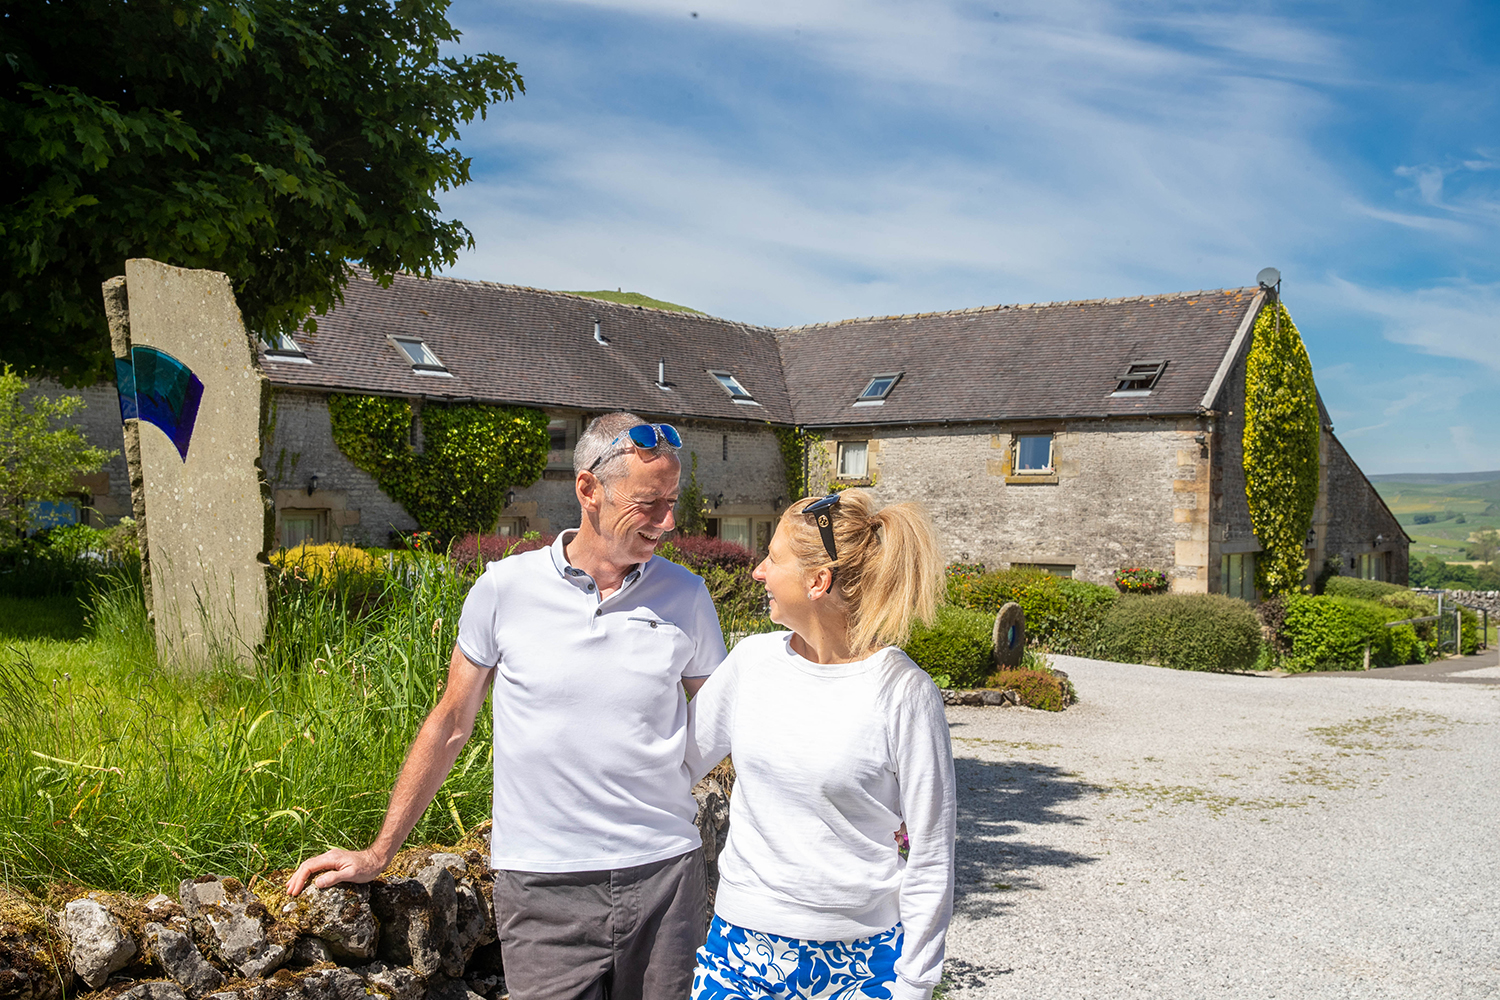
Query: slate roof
x=1053, y=360
x=511, y=344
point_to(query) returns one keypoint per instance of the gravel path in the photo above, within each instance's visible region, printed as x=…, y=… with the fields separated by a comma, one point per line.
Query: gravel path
x=1200, y=835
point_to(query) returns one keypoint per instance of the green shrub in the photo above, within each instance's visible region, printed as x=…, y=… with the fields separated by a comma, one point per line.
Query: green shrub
x=1036, y=688
x=959, y=646
x=1061, y=613
x=1365, y=590
x=1182, y=631
x=1331, y=633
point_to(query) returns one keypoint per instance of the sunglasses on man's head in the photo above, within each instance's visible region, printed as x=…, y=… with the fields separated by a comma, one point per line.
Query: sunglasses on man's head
x=645, y=436
x=821, y=511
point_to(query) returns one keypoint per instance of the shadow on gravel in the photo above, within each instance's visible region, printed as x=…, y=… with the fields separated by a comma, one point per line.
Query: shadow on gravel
x=995, y=858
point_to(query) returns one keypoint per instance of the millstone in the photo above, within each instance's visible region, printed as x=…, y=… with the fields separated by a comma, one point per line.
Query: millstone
x=1010, y=635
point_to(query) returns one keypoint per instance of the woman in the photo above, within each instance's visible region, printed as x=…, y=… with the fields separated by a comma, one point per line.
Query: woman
x=838, y=739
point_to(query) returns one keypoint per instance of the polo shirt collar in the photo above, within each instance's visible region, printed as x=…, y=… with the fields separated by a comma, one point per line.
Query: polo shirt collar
x=578, y=577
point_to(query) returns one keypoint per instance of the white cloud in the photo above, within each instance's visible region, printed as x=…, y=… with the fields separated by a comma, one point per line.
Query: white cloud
x=1458, y=319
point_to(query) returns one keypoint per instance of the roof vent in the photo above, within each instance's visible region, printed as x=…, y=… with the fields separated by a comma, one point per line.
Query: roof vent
x=661, y=377
x=599, y=337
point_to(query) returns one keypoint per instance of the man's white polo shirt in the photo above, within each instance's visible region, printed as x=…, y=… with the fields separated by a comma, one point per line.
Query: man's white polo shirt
x=590, y=715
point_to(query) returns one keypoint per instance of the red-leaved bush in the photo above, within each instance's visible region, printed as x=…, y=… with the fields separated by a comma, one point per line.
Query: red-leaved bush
x=494, y=547
x=699, y=552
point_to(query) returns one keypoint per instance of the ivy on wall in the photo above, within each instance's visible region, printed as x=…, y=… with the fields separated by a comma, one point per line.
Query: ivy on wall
x=691, y=519
x=1281, y=449
x=472, y=454
x=795, y=443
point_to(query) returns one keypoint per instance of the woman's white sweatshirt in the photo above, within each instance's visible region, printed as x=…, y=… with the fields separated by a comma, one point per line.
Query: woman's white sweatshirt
x=830, y=760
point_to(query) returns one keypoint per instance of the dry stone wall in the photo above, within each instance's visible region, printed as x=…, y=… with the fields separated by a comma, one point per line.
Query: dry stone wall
x=425, y=930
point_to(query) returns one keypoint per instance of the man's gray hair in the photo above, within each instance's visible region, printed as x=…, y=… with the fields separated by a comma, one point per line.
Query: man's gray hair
x=604, y=441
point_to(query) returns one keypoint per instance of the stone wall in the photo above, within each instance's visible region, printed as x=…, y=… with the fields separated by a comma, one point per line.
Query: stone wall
x=1358, y=521
x=1120, y=496
x=108, y=489
x=424, y=930
x=298, y=446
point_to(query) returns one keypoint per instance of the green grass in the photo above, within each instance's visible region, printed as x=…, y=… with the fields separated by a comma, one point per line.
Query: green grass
x=635, y=299
x=27, y=619
x=117, y=774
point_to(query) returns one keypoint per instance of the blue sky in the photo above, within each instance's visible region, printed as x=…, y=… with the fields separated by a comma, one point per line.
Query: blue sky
x=780, y=163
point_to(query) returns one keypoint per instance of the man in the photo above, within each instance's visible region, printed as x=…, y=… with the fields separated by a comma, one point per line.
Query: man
x=593, y=647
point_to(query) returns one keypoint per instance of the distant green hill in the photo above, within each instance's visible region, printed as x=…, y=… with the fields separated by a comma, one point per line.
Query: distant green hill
x=635, y=299
x=1440, y=499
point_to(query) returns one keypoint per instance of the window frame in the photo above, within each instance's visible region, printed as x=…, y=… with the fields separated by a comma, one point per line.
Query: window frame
x=1016, y=476
x=1126, y=382
x=435, y=367
x=866, y=398
x=742, y=395
x=277, y=349
x=838, y=461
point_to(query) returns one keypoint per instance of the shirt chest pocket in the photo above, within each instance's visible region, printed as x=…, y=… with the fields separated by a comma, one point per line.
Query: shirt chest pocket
x=653, y=644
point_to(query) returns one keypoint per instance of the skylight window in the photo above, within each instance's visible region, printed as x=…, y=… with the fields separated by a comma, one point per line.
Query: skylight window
x=423, y=361
x=877, y=389
x=1139, y=378
x=281, y=347
x=731, y=385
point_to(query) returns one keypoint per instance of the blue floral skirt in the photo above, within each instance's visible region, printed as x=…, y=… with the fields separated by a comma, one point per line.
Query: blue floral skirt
x=741, y=964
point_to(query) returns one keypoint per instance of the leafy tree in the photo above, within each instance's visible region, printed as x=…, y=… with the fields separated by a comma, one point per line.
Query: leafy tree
x=280, y=141
x=1486, y=545
x=37, y=462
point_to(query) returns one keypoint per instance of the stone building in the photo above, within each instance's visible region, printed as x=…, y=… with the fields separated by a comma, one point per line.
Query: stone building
x=1077, y=437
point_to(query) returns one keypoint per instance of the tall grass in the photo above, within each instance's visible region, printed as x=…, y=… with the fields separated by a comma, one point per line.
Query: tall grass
x=115, y=773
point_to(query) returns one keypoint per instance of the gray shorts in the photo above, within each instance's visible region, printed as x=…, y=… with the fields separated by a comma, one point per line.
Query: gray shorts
x=627, y=934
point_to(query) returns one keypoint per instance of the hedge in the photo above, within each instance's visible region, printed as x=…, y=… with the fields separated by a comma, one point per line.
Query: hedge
x=1331, y=633
x=1063, y=614
x=1365, y=590
x=958, y=646
x=1182, y=631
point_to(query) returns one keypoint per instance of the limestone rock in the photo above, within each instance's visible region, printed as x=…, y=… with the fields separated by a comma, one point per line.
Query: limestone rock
x=341, y=916
x=310, y=951
x=451, y=989
x=392, y=982
x=332, y=984
x=233, y=922
x=157, y=990
x=99, y=944
x=176, y=954
x=994, y=697
x=418, y=925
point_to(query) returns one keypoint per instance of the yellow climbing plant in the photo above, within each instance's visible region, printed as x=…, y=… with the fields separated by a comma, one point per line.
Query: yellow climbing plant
x=1281, y=449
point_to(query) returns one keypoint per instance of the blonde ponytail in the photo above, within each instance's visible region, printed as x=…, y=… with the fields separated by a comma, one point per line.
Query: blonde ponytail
x=888, y=574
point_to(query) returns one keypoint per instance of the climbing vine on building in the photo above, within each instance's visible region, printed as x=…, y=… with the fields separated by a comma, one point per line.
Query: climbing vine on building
x=472, y=454
x=1281, y=449
x=795, y=443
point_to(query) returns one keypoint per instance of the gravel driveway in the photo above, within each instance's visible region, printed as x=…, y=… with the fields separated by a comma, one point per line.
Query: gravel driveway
x=1201, y=835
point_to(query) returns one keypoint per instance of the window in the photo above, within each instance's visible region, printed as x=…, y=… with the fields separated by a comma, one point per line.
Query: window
x=1237, y=575
x=1033, y=454
x=731, y=385
x=303, y=527
x=854, y=459
x=1372, y=566
x=423, y=361
x=1051, y=569
x=1138, y=379
x=282, y=347
x=736, y=530
x=877, y=389
x=510, y=527
x=560, y=445
x=726, y=447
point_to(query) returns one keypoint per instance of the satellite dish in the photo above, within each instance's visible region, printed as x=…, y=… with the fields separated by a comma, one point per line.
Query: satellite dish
x=1268, y=277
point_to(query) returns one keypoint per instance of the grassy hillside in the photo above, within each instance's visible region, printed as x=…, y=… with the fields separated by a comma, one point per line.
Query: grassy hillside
x=1459, y=504
x=635, y=299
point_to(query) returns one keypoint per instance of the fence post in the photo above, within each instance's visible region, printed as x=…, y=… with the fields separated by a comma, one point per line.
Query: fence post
x=1367, y=656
